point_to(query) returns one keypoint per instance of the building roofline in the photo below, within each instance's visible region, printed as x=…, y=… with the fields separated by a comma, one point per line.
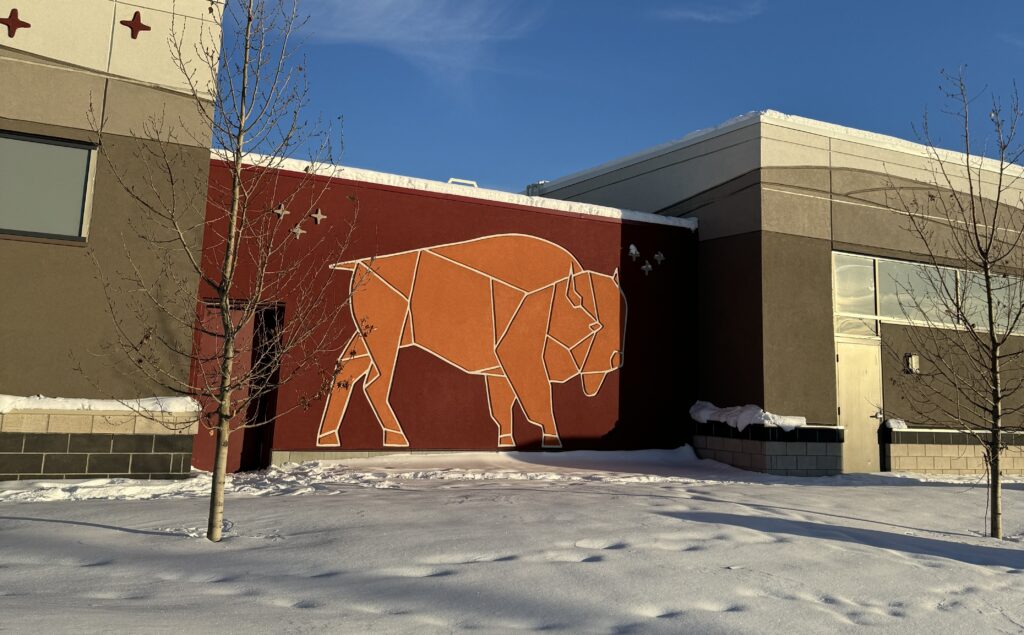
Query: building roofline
x=774, y=117
x=437, y=187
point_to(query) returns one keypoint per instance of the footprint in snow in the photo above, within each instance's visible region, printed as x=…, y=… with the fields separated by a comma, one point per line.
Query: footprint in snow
x=417, y=572
x=601, y=543
x=565, y=556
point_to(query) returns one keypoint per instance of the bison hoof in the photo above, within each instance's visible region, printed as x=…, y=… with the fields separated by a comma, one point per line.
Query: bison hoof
x=328, y=440
x=550, y=441
x=394, y=439
x=506, y=441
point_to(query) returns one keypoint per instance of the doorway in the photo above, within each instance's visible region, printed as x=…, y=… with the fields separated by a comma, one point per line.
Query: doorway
x=859, y=388
x=256, y=357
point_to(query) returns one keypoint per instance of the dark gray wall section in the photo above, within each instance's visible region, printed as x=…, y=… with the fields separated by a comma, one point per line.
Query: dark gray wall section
x=143, y=456
x=56, y=314
x=798, y=344
x=729, y=327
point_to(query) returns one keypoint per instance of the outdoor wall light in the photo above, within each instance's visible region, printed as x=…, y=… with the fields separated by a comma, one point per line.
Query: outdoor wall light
x=912, y=364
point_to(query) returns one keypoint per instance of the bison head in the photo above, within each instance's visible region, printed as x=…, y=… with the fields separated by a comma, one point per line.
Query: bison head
x=589, y=320
x=609, y=326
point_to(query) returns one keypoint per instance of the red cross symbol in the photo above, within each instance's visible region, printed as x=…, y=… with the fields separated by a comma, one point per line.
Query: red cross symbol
x=136, y=25
x=13, y=23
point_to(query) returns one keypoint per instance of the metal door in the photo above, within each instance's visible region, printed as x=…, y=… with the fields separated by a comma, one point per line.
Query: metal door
x=859, y=387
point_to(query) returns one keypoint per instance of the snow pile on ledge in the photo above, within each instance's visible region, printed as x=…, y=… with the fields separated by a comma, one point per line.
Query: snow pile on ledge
x=896, y=424
x=740, y=417
x=10, y=403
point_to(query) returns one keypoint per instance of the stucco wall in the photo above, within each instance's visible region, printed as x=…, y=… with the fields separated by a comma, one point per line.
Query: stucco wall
x=799, y=350
x=59, y=331
x=909, y=397
x=58, y=336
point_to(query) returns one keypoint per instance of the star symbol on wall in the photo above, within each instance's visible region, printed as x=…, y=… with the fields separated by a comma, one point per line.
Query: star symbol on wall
x=13, y=23
x=136, y=25
x=298, y=231
x=280, y=211
x=318, y=216
x=659, y=257
x=646, y=268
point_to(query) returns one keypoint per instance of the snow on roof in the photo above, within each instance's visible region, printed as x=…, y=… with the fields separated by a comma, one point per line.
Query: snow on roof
x=498, y=196
x=774, y=117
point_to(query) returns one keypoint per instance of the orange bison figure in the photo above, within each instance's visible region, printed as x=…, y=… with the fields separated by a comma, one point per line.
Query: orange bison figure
x=518, y=310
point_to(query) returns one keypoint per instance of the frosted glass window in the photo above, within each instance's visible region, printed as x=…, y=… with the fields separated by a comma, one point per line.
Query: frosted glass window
x=915, y=292
x=855, y=284
x=855, y=326
x=43, y=186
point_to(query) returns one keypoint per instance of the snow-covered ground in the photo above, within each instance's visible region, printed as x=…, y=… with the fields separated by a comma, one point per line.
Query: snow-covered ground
x=654, y=541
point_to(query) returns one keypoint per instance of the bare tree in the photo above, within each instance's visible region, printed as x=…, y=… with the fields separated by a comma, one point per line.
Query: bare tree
x=269, y=304
x=969, y=299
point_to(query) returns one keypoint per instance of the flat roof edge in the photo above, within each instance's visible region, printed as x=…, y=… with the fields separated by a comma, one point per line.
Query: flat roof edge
x=794, y=122
x=689, y=139
x=437, y=187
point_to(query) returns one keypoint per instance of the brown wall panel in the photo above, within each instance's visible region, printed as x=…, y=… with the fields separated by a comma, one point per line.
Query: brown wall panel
x=905, y=397
x=57, y=317
x=729, y=322
x=799, y=354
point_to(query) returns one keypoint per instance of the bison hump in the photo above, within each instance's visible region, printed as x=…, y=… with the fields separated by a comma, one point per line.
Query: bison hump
x=524, y=262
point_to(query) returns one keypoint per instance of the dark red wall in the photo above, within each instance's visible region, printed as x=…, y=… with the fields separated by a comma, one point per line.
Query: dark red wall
x=643, y=404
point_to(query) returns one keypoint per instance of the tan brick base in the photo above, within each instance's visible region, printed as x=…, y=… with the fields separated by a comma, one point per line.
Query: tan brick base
x=950, y=459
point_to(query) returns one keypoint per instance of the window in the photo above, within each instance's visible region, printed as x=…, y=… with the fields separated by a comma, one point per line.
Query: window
x=914, y=292
x=854, y=284
x=44, y=186
x=866, y=290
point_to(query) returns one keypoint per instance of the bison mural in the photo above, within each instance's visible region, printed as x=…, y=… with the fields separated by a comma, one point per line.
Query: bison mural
x=517, y=310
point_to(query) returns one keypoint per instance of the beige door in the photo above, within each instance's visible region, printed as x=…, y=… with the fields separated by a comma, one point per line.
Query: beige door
x=859, y=383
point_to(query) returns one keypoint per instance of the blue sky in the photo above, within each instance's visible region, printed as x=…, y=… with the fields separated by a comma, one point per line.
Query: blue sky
x=507, y=92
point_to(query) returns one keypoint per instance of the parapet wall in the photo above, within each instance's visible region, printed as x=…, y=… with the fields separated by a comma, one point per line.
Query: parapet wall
x=803, y=451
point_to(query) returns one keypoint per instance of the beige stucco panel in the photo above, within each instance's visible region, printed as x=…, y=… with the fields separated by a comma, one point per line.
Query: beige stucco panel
x=148, y=58
x=897, y=165
x=139, y=111
x=790, y=135
x=190, y=8
x=34, y=100
x=72, y=31
x=795, y=213
x=775, y=152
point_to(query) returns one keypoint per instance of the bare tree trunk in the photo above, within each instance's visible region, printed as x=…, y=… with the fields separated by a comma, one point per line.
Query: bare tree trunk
x=215, y=524
x=995, y=488
x=253, y=99
x=996, y=381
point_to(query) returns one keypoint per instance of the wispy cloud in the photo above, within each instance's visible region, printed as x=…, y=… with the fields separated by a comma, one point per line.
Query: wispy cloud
x=1012, y=40
x=452, y=37
x=719, y=13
